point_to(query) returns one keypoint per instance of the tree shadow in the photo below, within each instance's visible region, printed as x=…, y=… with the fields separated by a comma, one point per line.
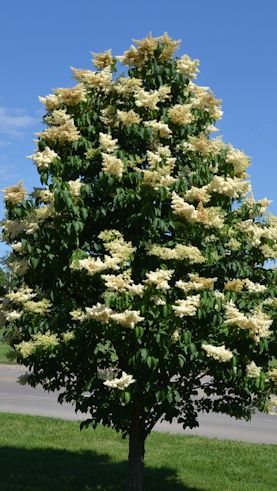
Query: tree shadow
x=61, y=470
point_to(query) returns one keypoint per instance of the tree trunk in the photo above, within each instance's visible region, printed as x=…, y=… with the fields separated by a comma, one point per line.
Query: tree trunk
x=136, y=455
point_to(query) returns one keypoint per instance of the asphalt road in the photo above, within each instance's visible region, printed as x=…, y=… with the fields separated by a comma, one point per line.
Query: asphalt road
x=15, y=398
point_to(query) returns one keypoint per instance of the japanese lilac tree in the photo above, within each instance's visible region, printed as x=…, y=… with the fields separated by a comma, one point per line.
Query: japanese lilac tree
x=141, y=286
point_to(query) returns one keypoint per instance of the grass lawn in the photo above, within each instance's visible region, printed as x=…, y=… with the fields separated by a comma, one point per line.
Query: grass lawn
x=4, y=351
x=42, y=454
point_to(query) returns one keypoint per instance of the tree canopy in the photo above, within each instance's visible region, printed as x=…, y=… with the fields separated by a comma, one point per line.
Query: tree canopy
x=142, y=288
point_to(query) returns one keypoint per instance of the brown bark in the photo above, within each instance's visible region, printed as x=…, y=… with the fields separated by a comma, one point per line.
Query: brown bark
x=136, y=455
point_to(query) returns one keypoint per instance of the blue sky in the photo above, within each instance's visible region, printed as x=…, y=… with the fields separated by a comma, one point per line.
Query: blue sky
x=235, y=41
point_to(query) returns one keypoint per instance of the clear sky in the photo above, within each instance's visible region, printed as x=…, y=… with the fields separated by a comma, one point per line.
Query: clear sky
x=235, y=41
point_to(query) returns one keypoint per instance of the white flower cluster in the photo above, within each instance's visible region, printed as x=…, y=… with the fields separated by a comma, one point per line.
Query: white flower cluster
x=180, y=114
x=158, y=128
x=122, y=283
x=180, y=251
x=112, y=165
x=128, y=117
x=252, y=370
x=65, y=133
x=150, y=99
x=238, y=160
x=219, y=353
x=94, y=80
x=75, y=187
x=70, y=96
x=159, y=278
x=44, y=159
x=43, y=341
x=120, y=251
x=120, y=383
x=187, y=307
x=57, y=117
x=128, y=318
x=209, y=217
x=257, y=324
x=232, y=187
x=102, y=313
x=15, y=194
x=107, y=143
x=22, y=295
x=187, y=66
x=196, y=283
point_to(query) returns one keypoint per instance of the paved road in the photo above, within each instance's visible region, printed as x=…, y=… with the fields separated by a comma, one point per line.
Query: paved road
x=15, y=398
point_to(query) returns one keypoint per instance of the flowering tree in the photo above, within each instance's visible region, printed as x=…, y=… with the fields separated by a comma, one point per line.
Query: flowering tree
x=141, y=287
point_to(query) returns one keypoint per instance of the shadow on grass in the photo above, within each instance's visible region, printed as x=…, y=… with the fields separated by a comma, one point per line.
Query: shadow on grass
x=60, y=470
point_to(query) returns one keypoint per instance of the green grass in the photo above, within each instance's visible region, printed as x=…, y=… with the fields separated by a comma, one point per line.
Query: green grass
x=5, y=350
x=42, y=454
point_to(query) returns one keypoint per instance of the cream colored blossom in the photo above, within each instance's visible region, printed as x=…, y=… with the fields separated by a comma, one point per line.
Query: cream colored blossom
x=204, y=100
x=157, y=300
x=112, y=165
x=175, y=336
x=44, y=195
x=19, y=266
x=159, y=128
x=51, y=102
x=210, y=217
x=271, y=406
x=258, y=324
x=75, y=187
x=12, y=229
x=68, y=336
x=78, y=315
x=128, y=117
x=99, y=312
x=234, y=244
x=107, y=143
x=128, y=318
x=72, y=96
x=26, y=348
x=114, y=242
x=272, y=375
x=44, y=159
x=57, y=117
x=159, y=278
x=93, y=266
x=235, y=285
x=127, y=85
x=69, y=96
x=120, y=383
x=254, y=287
x=103, y=60
x=197, y=194
x=43, y=212
x=238, y=160
x=13, y=315
x=39, y=307
x=96, y=80
x=17, y=247
x=188, y=67
x=252, y=370
x=180, y=114
x=66, y=133
x=232, y=187
x=187, y=307
x=156, y=179
x=149, y=100
x=43, y=341
x=137, y=56
x=180, y=251
x=219, y=353
x=15, y=194
x=122, y=283
x=196, y=283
